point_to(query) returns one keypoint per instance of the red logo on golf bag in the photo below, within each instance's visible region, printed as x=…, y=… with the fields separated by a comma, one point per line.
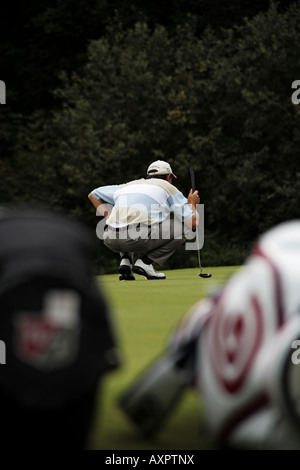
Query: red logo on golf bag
x=235, y=337
x=49, y=339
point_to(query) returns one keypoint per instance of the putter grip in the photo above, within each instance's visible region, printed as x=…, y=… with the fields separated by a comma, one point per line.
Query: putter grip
x=148, y=402
x=193, y=183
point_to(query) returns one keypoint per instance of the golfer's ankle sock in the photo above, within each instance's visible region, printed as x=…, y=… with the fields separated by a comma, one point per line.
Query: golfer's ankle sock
x=126, y=256
x=146, y=260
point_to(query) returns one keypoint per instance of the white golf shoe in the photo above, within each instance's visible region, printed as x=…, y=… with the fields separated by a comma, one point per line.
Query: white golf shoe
x=125, y=270
x=147, y=270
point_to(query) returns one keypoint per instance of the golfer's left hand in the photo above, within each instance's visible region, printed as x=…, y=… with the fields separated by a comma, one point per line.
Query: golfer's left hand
x=193, y=198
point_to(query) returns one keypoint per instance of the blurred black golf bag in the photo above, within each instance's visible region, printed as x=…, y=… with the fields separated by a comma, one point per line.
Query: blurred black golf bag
x=56, y=331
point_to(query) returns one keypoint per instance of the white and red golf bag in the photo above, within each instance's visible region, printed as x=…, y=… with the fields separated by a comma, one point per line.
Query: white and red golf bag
x=246, y=338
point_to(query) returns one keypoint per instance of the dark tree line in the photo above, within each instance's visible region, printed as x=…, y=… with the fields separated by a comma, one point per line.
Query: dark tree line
x=97, y=90
x=40, y=39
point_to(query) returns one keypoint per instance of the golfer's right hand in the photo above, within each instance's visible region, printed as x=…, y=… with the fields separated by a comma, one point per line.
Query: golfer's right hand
x=193, y=198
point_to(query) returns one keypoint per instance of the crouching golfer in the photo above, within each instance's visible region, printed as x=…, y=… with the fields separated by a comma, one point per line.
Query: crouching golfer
x=146, y=216
x=240, y=350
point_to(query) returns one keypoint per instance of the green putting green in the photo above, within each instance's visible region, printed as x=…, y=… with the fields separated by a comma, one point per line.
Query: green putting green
x=144, y=313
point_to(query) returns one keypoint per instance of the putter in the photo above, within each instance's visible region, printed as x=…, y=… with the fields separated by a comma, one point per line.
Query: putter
x=193, y=183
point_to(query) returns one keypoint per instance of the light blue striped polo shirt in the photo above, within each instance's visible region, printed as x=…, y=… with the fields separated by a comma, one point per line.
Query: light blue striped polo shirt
x=145, y=201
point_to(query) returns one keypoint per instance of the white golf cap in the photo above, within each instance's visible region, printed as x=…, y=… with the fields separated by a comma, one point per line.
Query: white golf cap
x=159, y=168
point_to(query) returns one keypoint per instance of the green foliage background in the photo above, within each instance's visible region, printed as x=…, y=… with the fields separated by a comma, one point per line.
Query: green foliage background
x=104, y=90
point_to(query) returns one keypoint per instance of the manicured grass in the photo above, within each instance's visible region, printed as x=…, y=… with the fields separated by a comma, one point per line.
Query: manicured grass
x=144, y=314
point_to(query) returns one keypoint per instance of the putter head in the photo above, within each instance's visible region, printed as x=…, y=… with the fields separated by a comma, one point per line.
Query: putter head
x=204, y=275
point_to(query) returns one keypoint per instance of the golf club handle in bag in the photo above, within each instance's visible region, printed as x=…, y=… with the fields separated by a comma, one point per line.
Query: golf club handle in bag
x=154, y=395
